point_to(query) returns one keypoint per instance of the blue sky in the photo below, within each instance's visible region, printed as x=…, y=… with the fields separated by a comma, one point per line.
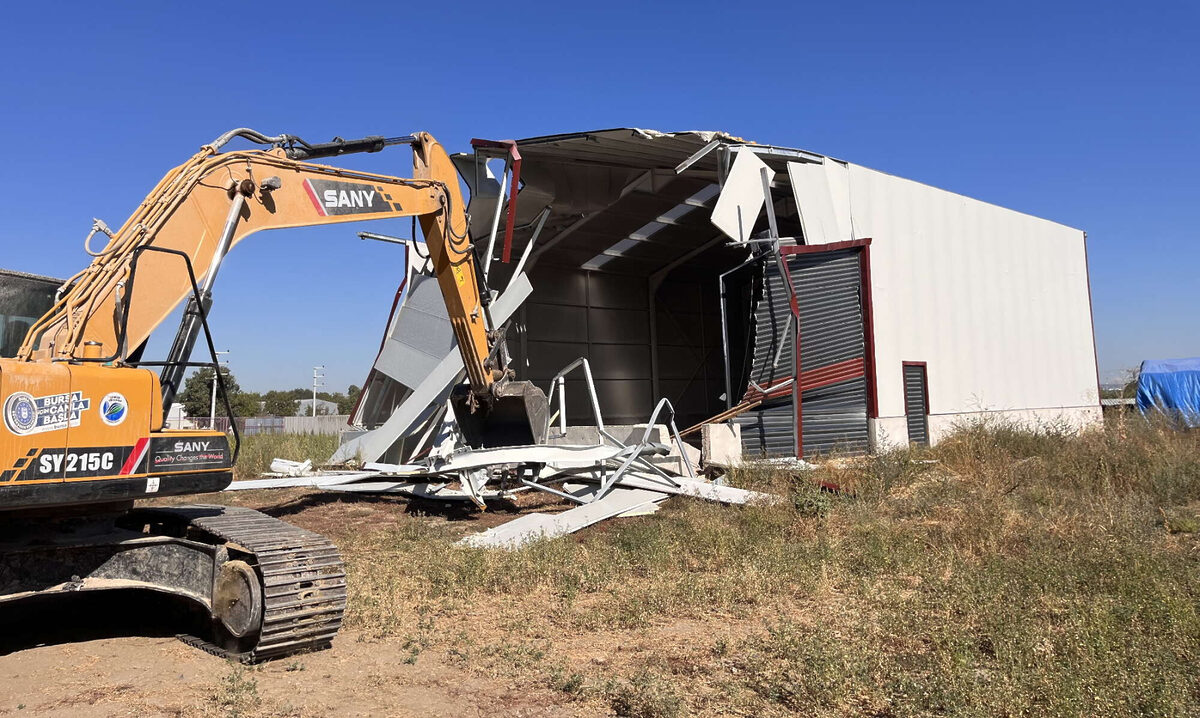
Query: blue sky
x=1084, y=113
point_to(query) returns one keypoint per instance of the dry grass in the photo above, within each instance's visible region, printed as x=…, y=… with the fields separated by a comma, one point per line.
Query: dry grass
x=1006, y=572
x=257, y=451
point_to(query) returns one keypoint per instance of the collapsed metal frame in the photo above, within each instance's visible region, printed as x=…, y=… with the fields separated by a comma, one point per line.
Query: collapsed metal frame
x=632, y=454
x=474, y=477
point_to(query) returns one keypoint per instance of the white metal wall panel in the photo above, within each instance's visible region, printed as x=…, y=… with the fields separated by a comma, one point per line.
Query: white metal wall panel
x=742, y=197
x=822, y=193
x=995, y=301
x=420, y=334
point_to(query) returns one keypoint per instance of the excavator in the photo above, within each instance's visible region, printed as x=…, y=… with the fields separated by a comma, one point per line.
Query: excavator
x=84, y=411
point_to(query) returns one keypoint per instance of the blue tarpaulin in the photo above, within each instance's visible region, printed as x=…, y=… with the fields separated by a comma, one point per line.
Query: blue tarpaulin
x=1171, y=386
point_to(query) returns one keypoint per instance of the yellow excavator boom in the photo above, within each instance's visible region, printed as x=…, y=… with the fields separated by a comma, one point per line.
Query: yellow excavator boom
x=207, y=205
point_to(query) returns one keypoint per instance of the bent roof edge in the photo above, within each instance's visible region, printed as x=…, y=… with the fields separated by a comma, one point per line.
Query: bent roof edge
x=699, y=138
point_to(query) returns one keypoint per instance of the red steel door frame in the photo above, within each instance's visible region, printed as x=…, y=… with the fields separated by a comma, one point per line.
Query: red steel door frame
x=850, y=369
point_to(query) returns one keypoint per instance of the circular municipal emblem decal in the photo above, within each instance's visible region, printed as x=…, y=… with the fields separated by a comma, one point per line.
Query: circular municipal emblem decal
x=20, y=413
x=113, y=409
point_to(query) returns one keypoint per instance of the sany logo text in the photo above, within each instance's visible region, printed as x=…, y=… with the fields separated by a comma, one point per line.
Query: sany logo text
x=336, y=197
x=348, y=198
x=181, y=446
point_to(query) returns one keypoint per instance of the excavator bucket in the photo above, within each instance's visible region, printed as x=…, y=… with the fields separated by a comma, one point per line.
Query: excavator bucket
x=517, y=415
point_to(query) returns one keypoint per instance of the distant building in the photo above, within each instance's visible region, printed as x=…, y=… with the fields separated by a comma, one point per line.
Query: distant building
x=304, y=407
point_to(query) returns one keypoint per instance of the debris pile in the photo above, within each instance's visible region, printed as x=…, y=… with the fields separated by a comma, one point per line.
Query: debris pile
x=610, y=478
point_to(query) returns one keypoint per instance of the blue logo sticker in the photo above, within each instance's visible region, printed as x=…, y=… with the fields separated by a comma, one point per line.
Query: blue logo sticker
x=26, y=414
x=20, y=413
x=113, y=409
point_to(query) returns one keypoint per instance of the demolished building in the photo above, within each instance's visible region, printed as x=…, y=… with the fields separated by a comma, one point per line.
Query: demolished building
x=817, y=306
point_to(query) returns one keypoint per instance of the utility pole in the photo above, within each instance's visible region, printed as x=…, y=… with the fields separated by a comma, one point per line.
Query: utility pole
x=317, y=377
x=212, y=412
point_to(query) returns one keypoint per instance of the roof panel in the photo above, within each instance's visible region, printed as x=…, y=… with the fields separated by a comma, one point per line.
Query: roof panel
x=637, y=232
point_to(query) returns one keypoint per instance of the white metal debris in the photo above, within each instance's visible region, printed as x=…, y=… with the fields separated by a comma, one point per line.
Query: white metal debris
x=743, y=196
x=440, y=361
x=285, y=467
x=611, y=478
x=328, y=479
x=535, y=526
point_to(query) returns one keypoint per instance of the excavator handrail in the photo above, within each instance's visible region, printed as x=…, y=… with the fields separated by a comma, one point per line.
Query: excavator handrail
x=212, y=348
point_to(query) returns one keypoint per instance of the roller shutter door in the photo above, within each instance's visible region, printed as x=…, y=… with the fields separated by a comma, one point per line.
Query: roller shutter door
x=832, y=339
x=832, y=346
x=916, y=405
x=835, y=418
x=770, y=432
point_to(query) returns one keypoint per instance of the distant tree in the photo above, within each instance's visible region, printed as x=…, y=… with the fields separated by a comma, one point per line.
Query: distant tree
x=346, y=405
x=253, y=399
x=279, y=403
x=196, y=395
x=284, y=402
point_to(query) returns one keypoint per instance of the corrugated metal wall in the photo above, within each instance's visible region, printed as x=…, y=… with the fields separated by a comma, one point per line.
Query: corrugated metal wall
x=835, y=418
x=769, y=432
x=828, y=288
x=829, y=293
x=773, y=357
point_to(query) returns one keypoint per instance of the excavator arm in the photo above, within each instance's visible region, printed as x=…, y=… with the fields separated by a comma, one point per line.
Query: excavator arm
x=216, y=199
x=84, y=424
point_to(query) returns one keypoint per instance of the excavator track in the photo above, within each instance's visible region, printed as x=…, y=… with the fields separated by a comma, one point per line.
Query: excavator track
x=302, y=577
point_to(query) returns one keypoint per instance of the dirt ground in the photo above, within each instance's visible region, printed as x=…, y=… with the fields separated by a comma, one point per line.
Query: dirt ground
x=137, y=676
x=163, y=677
x=131, y=664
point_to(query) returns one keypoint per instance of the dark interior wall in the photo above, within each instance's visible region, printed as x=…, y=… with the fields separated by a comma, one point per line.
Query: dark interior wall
x=743, y=287
x=605, y=317
x=626, y=273
x=691, y=367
